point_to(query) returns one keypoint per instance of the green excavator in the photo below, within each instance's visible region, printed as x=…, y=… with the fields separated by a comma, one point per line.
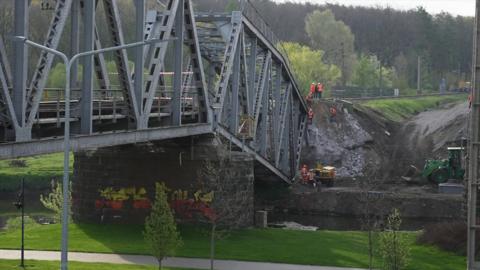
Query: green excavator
x=440, y=171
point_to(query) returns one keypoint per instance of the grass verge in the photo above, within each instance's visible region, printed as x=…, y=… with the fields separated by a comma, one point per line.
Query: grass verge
x=400, y=109
x=54, y=265
x=329, y=248
x=38, y=171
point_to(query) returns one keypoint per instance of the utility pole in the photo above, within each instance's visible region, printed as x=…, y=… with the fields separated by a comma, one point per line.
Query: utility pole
x=419, y=90
x=380, y=83
x=343, y=65
x=474, y=150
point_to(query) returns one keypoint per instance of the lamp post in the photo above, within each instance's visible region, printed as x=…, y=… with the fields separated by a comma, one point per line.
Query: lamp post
x=20, y=204
x=66, y=139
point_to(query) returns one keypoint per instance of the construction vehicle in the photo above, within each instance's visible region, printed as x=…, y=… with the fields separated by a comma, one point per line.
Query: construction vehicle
x=443, y=170
x=323, y=174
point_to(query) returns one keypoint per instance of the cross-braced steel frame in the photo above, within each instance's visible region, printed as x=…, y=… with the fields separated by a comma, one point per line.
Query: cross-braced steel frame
x=247, y=94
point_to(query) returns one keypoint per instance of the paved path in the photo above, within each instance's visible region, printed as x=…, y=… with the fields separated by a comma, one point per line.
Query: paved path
x=170, y=262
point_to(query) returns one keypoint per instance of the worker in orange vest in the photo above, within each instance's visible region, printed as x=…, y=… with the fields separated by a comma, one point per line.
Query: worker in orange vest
x=310, y=115
x=320, y=90
x=312, y=90
x=333, y=114
x=304, y=173
x=309, y=98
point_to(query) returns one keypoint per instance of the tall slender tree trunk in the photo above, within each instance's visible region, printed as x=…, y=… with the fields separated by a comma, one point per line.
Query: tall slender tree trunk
x=212, y=245
x=159, y=264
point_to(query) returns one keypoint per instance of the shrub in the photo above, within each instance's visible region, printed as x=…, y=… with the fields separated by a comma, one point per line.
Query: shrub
x=15, y=223
x=448, y=236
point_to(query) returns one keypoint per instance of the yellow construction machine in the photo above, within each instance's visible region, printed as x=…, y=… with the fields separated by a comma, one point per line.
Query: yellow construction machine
x=323, y=174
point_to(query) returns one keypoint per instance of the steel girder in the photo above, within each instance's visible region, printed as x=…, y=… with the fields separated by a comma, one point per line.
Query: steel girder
x=248, y=78
x=254, y=82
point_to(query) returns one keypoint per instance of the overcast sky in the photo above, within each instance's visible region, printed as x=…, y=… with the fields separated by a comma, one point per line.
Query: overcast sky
x=456, y=7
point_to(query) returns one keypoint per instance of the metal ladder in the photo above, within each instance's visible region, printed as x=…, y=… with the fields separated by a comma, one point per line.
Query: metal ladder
x=301, y=133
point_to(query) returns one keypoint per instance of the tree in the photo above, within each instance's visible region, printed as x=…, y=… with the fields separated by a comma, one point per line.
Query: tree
x=372, y=207
x=160, y=231
x=309, y=66
x=369, y=73
x=54, y=201
x=228, y=203
x=333, y=37
x=232, y=5
x=393, y=247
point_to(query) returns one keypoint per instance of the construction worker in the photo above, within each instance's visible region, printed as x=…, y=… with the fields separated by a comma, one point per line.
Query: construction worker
x=310, y=115
x=312, y=90
x=333, y=114
x=309, y=98
x=305, y=174
x=320, y=90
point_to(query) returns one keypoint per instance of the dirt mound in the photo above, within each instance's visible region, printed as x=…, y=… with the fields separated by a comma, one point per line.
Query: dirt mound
x=427, y=135
x=359, y=139
x=342, y=140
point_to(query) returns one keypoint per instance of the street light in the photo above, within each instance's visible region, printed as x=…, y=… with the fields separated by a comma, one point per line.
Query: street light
x=66, y=139
x=20, y=204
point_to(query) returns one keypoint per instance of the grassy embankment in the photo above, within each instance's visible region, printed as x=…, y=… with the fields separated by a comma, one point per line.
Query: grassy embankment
x=38, y=171
x=50, y=265
x=400, y=109
x=331, y=248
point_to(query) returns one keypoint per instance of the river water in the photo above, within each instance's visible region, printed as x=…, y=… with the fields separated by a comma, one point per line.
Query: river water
x=33, y=207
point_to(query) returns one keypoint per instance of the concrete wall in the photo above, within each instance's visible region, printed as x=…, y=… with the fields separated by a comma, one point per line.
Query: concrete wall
x=116, y=184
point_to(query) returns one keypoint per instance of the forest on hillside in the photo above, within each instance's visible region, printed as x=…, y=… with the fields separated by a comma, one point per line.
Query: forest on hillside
x=341, y=46
x=395, y=38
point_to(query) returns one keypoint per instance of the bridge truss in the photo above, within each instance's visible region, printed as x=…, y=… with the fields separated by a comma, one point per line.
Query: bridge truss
x=213, y=73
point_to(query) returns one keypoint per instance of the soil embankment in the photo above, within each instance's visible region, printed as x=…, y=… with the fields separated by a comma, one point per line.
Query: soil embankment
x=371, y=153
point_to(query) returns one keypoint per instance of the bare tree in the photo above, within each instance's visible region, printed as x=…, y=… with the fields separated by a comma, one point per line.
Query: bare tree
x=229, y=203
x=372, y=211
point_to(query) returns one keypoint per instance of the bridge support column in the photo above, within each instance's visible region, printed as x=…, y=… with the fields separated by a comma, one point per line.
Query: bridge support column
x=116, y=184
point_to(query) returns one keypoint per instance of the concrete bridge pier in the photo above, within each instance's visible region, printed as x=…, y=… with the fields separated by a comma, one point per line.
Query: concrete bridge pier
x=117, y=184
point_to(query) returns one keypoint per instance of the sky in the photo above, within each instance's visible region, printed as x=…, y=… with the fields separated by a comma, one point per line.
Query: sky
x=455, y=7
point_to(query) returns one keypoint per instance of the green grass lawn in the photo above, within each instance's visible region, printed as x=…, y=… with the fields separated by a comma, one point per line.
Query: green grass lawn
x=330, y=248
x=38, y=172
x=51, y=265
x=402, y=108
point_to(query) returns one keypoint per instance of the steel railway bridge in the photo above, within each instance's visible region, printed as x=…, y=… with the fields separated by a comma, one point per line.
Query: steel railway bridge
x=221, y=74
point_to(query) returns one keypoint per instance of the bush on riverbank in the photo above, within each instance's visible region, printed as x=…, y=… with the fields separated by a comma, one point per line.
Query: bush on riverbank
x=448, y=236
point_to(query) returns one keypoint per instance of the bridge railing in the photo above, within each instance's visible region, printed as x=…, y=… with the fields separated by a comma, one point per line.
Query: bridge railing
x=253, y=15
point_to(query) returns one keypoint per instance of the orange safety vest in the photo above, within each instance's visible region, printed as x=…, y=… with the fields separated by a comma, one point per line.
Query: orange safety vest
x=312, y=88
x=333, y=111
x=320, y=88
x=304, y=173
x=310, y=113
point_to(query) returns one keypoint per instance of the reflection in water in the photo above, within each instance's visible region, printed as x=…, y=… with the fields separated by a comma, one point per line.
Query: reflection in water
x=33, y=207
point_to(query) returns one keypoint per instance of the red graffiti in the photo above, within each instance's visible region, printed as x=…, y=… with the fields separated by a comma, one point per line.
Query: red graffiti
x=188, y=208
x=142, y=204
